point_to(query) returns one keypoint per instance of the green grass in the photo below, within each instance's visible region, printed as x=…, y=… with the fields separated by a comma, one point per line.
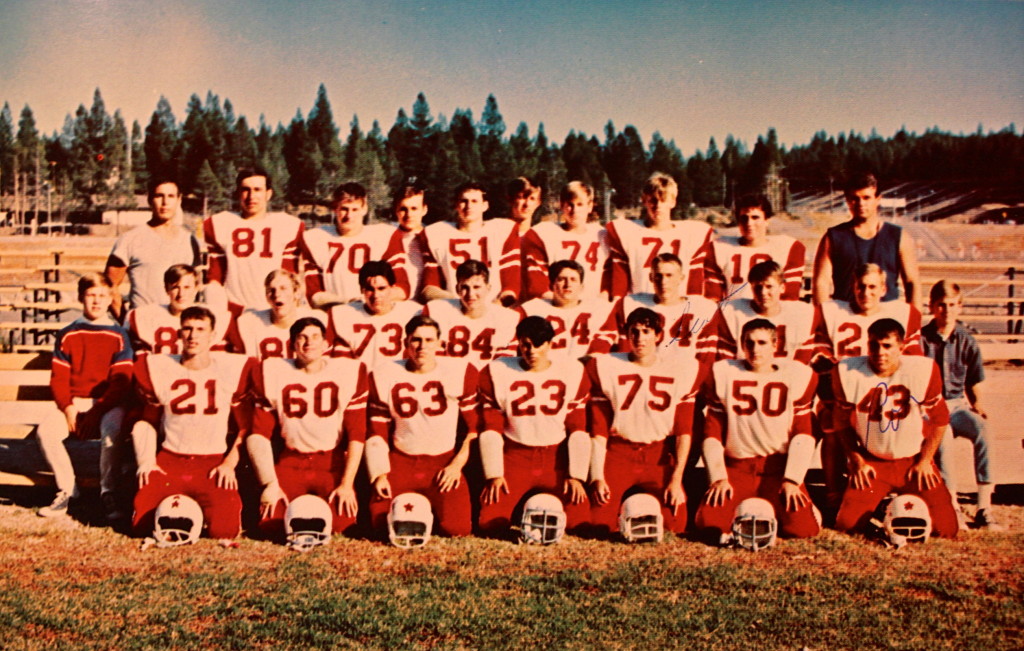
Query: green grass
x=94, y=588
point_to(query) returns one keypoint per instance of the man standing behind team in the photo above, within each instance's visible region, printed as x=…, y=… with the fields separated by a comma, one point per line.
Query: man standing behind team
x=244, y=248
x=145, y=252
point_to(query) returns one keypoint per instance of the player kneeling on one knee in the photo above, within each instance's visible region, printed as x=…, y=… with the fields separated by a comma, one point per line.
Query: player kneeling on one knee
x=422, y=423
x=758, y=441
x=890, y=417
x=534, y=435
x=319, y=405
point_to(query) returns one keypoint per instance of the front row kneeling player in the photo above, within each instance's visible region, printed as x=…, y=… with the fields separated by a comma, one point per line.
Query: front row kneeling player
x=419, y=409
x=190, y=397
x=314, y=398
x=758, y=441
x=534, y=437
x=890, y=418
x=641, y=421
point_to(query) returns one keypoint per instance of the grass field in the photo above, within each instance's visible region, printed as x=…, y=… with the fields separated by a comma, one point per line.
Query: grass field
x=64, y=584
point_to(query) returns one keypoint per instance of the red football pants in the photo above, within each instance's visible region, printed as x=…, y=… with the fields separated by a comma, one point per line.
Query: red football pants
x=891, y=477
x=637, y=468
x=758, y=477
x=189, y=475
x=530, y=470
x=415, y=473
x=308, y=473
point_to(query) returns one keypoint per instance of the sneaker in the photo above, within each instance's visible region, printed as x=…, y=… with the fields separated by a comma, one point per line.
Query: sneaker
x=110, y=506
x=59, y=505
x=983, y=520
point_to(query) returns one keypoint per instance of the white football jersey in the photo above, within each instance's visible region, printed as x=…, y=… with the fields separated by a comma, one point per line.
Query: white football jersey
x=419, y=412
x=632, y=248
x=195, y=404
x=533, y=408
x=842, y=333
x=312, y=408
x=756, y=414
x=333, y=261
x=794, y=327
x=243, y=252
x=643, y=404
x=259, y=337
x=372, y=338
x=153, y=328
x=414, y=246
x=689, y=325
x=478, y=340
x=889, y=413
x=548, y=242
x=496, y=244
x=578, y=329
x=733, y=261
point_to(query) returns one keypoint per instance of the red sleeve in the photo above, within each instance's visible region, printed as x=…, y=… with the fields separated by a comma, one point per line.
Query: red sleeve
x=395, y=256
x=805, y=351
x=793, y=272
x=314, y=276
x=703, y=257
x=802, y=409
x=468, y=403
x=264, y=419
x=535, y=259
x=146, y=391
x=491, y=416
x=912, y=340
x=934, y=406
x=355, y=413
x=216, y=264
x=234, y=337
x=576, y=418
x=717, y=423
x=608, y=334
x=725, y=342
x=379, y=414
x=118, y=385
x=714, y=281
x=683, y=420
x=242, y=400
x=290, y=258
x=616, y=267
x=60, y=382
x=822, y=340
x=509, y=269
x=599, y=409
x=432, y=276
x=707, y=339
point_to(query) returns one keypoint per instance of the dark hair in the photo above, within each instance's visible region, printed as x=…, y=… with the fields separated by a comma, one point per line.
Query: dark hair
x=521, y=185
x=350, y=191
x=471, y=268
x=758, y=324
x=198, y=313
x=858, y=182
x=762, y=271
x=944, y=289
x=159, y=180
x=176, y=272
x=645, y=316
x=749, y=201
x=884, y=327
x=375, y=268
x=667, y=256
x=248, y=172
x=535, y=329
x=412, y=189
x=421, y=321
x=561, y=265
x=302, y=324
x=470, y=185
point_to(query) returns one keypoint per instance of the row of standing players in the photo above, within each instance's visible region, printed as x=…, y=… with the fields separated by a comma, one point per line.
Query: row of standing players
x=698, y=331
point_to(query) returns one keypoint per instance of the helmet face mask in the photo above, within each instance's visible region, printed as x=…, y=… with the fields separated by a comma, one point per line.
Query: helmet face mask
x=178, y=521
x=640, y=518
x=410, y=520
x=907, y=519
x=543, y=521
x=754, y=526
x=307, y=523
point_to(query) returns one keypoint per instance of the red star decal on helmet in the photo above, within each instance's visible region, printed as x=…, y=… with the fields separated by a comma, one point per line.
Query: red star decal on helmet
x=174, y=504
x=408, y=507
x=908, y=506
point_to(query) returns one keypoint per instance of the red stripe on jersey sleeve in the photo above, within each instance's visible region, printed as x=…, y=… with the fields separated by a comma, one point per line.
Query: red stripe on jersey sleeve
x=535, y=259
x=802, y=409
x=617, y=279
x=912, y=341
x=146, y=391
x=469, y=401
x=600, y=414
x=490, y=412
x=290, y=257
x=934, y=406
x=395, y=256
x=702, y=258
x=793, y=272
x=216, y=265
x=378, y=413
x=576, y=418
x=355, y=412
x=509, y=269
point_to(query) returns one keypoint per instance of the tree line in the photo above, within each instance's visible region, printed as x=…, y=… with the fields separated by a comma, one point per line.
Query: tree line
x=96, y=161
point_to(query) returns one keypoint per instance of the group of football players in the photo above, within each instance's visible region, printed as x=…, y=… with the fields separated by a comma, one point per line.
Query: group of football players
x=496, y=375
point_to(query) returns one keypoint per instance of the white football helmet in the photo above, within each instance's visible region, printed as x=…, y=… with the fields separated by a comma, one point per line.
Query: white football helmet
x=907, y=519
x=754, y=526
x=640, y=518
x=307, y=523
x=543, y=520
x=410, y=521
x=178, y=521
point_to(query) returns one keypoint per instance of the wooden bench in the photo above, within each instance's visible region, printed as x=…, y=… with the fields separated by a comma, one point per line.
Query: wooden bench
x=18, y=333
x=46, y=291
x=51, y=273
x=34, y=311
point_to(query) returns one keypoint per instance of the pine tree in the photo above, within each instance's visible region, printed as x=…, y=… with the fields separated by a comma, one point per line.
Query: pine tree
x=6, y=150
x=161, y=141
x=302, y=157
x=464, y=138
x=138, y=159
x=322, y=130
x=494, y=155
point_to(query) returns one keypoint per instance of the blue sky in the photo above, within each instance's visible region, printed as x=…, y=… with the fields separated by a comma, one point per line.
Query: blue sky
x=690, y=70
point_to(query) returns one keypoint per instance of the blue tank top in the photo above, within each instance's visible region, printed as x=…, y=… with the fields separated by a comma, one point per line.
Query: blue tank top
x=849, y=251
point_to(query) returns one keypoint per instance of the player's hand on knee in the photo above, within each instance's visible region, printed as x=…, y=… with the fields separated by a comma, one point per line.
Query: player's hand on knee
x=493, y=490
x=144, y=473
x=272, y=496
x=449, y=478
x=601, y=491
x=574, y=490
x=71, y=415
x=382, y=487
x=924, y=475
x=793, y=496
x=345, y=496
x=224, y=474
x=719, y=492
x=675, y=496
